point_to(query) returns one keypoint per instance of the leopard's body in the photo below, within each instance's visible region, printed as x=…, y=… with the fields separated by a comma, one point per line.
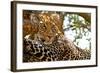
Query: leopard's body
x=38, y=52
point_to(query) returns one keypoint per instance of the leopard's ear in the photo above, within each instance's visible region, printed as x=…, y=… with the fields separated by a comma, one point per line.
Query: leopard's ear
x=34, y=19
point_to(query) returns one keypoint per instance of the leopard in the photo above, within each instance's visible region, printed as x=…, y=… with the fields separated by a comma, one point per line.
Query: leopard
x=44, y=41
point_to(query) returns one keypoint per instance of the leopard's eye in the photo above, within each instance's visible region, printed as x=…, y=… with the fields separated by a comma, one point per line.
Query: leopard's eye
x=42, y=27
x=53, y=29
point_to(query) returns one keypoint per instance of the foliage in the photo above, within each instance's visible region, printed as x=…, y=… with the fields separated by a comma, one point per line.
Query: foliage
x=79, y=26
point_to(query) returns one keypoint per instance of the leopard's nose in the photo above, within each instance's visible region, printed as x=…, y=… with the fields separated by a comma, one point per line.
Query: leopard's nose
x=49, y=37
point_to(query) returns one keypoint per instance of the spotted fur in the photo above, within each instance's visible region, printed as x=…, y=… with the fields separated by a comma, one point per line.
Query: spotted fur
x=37, y=51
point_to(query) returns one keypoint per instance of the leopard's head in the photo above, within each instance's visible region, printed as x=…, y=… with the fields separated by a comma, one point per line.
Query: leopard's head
x=49, y=27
